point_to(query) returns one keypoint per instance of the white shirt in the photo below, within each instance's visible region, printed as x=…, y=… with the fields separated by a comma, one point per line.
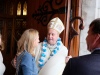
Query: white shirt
x=56, y=64
x=2, y=66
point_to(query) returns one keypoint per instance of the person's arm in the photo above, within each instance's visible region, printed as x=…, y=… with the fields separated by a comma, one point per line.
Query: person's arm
x=13, y=62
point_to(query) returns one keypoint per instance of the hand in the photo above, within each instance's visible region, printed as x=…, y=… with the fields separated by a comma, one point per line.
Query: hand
x=13, y=62
x=67, y=58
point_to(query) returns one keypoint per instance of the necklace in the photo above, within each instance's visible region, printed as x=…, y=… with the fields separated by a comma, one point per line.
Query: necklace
x=42, y=59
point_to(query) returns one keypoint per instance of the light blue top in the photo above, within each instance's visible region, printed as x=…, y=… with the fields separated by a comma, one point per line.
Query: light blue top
x=26, y=64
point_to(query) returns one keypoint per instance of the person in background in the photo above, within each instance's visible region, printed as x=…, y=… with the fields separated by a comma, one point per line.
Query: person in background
x=2, y=66
x=87, y=64
x=25, y=63
x=51, y=53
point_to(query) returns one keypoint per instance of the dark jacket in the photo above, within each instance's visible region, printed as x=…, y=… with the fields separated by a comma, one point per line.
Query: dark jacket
x=26, y=64
x=84, y=65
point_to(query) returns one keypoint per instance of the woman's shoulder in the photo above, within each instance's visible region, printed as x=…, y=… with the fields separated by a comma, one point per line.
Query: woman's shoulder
x=27, y=57
x=27, y=54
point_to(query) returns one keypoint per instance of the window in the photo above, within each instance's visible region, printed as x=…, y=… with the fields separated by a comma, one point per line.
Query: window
x=19, y=9
x=25, y=8
x=22, y=10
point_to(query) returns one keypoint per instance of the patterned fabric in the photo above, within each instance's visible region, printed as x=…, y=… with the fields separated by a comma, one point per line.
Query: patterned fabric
x=42, y=59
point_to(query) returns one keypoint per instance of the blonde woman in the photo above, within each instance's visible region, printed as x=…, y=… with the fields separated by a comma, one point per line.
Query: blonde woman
x=25, y=64
x=2, y=66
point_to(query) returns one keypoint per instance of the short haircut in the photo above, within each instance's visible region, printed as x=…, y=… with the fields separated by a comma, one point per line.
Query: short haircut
x=96, y=26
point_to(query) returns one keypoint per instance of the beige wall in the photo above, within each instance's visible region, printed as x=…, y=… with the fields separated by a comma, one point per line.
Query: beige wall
x=88, y=14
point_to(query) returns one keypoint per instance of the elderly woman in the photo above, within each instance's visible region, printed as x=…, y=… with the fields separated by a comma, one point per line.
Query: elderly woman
x=51, y=53
x=2, y=66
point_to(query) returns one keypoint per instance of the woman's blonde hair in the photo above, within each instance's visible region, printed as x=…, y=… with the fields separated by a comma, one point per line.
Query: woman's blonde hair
x=26, y=41
x=2, y=43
